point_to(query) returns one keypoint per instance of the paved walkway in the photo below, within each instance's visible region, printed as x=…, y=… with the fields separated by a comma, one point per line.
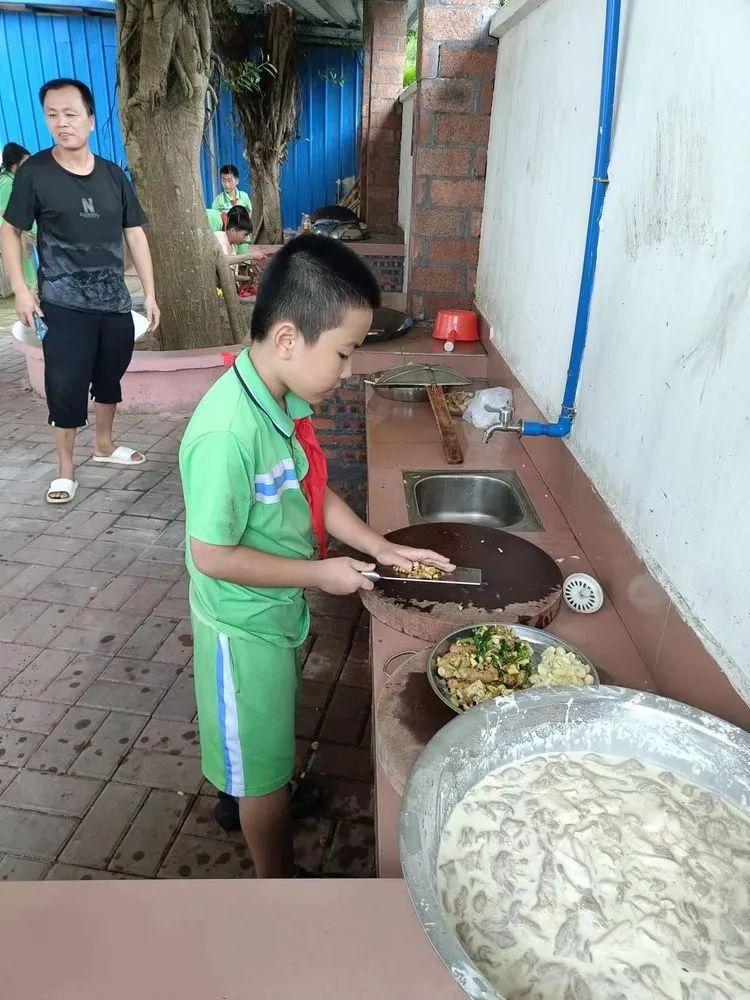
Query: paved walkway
x=99, y=762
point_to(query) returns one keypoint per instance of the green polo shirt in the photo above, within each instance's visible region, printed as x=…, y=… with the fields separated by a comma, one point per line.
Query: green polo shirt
x=222, y=202
x=241, y=468
x=215, y=221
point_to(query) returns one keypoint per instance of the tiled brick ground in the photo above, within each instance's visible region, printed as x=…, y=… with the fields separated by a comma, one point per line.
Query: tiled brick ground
x=99, y=768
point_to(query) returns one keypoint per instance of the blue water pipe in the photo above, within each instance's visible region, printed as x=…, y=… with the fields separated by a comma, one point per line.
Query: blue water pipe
x=598, y=191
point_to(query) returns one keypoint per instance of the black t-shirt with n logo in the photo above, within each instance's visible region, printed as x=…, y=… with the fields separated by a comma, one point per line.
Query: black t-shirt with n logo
x=80, y=223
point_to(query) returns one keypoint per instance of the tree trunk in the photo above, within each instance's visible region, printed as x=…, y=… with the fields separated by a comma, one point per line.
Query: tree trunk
x=163, y=63
x=259, y=223
x=268, y=113
x=267, y=193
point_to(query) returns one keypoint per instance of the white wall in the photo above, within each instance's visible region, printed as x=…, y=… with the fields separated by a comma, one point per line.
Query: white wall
x=663, y=424
x=405, y=169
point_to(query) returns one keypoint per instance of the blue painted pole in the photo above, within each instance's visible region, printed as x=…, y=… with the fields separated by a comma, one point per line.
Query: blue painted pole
x=598, y=192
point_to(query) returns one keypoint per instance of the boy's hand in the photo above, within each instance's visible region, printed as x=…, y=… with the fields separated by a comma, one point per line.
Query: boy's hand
x=403, y=557
x=343, y=576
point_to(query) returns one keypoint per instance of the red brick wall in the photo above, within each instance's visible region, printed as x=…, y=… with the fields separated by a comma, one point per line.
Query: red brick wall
x=383, y=68
x=455, y=73
x=340, y=428
x=389, y=271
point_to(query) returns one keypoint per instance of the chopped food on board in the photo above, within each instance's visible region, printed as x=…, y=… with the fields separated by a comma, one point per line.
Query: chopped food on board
x=419, y=571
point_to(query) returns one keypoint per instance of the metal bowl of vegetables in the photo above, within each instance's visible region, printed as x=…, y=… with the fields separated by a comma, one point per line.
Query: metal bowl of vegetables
x=478, y=663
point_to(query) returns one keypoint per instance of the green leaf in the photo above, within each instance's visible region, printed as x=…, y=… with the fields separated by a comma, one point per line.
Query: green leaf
x=331, y=77
x=246, y=77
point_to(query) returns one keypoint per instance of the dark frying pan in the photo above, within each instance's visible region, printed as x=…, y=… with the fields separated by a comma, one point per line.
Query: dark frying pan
x=387, y=324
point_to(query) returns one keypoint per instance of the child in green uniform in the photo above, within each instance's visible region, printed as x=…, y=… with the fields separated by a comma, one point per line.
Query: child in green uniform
x=256, y=497
x=13, y=157
x=231, y=196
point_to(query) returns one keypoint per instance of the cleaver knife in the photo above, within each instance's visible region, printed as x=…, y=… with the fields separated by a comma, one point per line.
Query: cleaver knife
x=463, y=576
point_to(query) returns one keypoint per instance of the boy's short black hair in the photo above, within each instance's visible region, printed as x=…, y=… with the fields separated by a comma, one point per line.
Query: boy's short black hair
x=86, y=96
x=229, y=168
x=238, y=217
x=312, y=282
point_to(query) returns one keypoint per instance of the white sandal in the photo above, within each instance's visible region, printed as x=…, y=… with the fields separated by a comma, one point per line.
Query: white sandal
x=67, y=486
x=120, y=456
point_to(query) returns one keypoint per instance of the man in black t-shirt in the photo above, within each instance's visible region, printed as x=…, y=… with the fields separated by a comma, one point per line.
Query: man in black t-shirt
x=83, y=207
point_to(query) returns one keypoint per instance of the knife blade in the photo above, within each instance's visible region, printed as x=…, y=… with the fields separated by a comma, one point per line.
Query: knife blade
x=464, y=576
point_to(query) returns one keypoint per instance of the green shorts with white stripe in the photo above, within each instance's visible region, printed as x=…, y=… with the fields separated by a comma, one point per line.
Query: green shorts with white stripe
x=247, y=694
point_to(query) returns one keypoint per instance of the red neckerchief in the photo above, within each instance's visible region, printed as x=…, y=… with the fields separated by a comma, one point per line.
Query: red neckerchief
x=315, y=482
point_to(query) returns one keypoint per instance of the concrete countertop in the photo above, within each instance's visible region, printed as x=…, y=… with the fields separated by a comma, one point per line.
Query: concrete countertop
x=217, y=940
x=418, y=346
x=404, y=437
x=415, y=347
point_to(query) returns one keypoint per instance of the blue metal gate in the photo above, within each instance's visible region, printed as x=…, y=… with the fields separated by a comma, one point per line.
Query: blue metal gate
x=36, y=46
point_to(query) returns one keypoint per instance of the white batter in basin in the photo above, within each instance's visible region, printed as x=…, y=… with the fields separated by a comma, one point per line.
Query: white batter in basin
x=697, y=747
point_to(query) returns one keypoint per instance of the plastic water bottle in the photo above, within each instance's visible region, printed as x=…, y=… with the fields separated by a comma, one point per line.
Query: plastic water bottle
x=40, y=327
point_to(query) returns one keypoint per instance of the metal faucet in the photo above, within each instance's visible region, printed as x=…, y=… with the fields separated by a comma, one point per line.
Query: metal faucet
x=505, y=423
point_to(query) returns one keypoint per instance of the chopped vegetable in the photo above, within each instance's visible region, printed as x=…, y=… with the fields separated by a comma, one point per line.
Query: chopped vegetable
x=419, y=571
x=493, y=661
x=558, y=666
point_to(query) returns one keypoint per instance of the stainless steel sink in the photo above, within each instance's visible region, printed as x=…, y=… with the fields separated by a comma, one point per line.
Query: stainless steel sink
x=495, y=499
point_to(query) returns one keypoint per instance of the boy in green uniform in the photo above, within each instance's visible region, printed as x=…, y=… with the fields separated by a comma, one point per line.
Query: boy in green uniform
x=231, y=197
x=256, y=496
x=231, y=194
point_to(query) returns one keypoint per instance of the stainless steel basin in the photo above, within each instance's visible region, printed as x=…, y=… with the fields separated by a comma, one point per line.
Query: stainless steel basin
x=697, y=747
x=494, y=499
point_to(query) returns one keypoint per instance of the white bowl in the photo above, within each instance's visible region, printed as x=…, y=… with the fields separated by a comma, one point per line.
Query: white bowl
x=23, y=333
x=140, y=323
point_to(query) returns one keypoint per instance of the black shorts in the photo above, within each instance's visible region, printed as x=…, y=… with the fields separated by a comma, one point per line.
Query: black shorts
x=82, y=351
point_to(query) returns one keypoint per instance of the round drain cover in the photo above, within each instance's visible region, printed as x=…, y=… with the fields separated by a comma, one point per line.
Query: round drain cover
x=583, y=593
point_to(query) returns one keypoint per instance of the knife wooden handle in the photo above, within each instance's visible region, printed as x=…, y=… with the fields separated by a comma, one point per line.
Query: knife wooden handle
x=444, y=421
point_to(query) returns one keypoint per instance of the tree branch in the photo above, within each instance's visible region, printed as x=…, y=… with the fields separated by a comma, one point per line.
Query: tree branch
x=128, y=21
x=188, y=85
x=229, y=289
x=203, y=28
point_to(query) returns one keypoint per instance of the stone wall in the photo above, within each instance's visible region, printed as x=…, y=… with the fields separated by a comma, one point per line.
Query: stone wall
x=455, y=77
x=383, y=70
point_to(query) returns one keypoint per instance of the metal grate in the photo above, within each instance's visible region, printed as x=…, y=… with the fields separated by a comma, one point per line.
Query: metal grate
x=420, y=375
